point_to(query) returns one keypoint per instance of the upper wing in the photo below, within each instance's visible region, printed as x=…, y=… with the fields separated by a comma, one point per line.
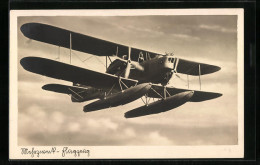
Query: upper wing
x=195, y=68
x=58, y=70
x=198, y=96
x=61, y=37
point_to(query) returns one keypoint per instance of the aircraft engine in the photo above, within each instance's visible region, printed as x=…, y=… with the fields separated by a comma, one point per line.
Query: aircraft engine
x=167, y=77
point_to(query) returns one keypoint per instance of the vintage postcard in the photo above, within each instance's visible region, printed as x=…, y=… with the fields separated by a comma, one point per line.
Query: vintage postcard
x=107, y=84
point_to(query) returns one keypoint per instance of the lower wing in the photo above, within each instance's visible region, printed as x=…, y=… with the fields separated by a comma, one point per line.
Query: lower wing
x=59, y=70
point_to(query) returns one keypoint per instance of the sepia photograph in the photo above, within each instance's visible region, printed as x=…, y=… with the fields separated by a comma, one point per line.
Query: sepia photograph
x=126, y=83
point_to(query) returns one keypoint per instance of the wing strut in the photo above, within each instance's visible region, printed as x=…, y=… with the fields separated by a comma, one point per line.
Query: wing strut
x=167, y=92
x=156, y=93
x=70, y=47
x=121, y=82
x=188, y=83
x=109, y=59
x=199, y=76
x=106, y=63
x=164, y=92
x=147, y=100
x=58, y=58
x=111, y=89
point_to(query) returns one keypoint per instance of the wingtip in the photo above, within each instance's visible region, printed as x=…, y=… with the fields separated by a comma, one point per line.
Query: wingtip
x=128, y=115
x=214, y=69
x=24, y=62
x=30, y=29
x=32, y=64
x=25, y=29
x=218, y=68
x=44, y=87
x=219, y=94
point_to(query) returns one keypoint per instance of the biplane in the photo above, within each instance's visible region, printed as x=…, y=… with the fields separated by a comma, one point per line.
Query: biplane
x=133, y=74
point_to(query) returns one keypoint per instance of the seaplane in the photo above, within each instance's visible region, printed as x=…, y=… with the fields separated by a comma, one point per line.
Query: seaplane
x=133, y=73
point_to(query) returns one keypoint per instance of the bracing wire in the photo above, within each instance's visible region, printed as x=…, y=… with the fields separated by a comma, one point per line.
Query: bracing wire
x=83, y=61
x=100, y=61
x=80, y=59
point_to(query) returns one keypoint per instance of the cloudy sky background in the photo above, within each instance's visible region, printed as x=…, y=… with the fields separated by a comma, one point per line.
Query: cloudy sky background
x=47, y=118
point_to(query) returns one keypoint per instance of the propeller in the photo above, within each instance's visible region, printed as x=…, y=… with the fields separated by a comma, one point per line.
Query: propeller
x=128, y=64
x=174, y=70
x=137, y=66
x=176, y=62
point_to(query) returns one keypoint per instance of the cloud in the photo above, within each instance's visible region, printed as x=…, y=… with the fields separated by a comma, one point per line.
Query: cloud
x=129, y=132
x=36, y=111
x=74, y=127
x=156, y=138
x=102, y=123
x=186, y=37
x=218, y=28
x=88, y=129
x=57, y=117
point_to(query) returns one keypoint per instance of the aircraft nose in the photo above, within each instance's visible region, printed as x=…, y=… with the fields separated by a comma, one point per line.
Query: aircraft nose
x=168, y=65
x=188, y=94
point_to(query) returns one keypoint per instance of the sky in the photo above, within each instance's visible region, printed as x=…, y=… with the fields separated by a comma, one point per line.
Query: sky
x=48, y=118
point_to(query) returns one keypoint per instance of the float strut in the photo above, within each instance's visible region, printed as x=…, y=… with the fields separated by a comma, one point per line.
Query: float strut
x=164, y=92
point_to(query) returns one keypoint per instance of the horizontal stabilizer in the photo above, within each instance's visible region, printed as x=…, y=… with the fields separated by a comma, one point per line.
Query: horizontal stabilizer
x=78, y=94
x=65, y=89
x=198, y=96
